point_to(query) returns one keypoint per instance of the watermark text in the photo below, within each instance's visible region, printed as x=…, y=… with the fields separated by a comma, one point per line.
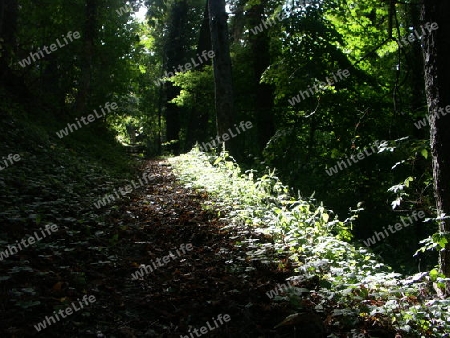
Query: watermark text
x=398, y=226
x=243, y=126
x=71, y=127
x=26, y=242
x=220, y=320
x=11, y=159
x=49, y=49
x=319, y=86
x=146, y=269
x=354, y=158
x=52, y=319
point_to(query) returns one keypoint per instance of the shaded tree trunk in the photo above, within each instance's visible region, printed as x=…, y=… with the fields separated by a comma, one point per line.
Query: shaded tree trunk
x=174, y=53
x=437, y=85
x=415, y=66
x=198, y=122
x=89, y=35
x=172, y=114
x=222, y=68
x=160, y=111
x=260, y=49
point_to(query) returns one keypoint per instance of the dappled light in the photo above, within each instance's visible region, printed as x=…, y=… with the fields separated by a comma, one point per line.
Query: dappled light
x=224, y=168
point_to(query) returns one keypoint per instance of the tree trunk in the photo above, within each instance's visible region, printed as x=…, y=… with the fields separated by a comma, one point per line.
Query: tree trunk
x=88, y=36
x=222, y=68
x=198, y=122
x=174, y=51
x=260, y=49
x=437, y=85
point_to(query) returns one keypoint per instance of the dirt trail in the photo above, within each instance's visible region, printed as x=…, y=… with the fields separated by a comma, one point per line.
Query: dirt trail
x=192, y=290
x=197, y=282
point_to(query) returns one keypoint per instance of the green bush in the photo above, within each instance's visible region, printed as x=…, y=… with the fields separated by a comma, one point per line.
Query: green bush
x=355, y=287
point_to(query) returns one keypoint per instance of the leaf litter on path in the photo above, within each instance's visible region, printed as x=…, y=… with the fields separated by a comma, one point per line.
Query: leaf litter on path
x=97, y=256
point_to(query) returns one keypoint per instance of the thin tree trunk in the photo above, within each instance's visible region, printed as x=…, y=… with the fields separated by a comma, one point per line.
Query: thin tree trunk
x=222, y=68
x=160, y=109
x=437, y=84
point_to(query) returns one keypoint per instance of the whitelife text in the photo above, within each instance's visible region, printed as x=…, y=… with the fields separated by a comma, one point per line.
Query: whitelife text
x=49, y=49
x=204, y=330
x=243, y=126
x=146, y=269
x=52, y=319
x=26, y=242
x=71, y=127
x=319, y=86
x=11, y=159
x=206, y=55
x=109, y=198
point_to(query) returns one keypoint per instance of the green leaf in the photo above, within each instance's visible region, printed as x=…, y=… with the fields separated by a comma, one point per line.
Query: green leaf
x=217, y=160
x=434, y=274
x=409, y=179
x=424, y=153
x=440, y=239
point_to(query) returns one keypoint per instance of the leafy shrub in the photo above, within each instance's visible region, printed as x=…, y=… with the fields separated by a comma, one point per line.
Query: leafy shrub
x=355, y=287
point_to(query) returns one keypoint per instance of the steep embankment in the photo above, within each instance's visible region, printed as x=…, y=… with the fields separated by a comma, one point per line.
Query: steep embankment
x=69, y=172
x=47, y=189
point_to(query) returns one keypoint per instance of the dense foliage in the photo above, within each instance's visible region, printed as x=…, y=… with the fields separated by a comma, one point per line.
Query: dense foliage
x=355, y=288
x=279, y=50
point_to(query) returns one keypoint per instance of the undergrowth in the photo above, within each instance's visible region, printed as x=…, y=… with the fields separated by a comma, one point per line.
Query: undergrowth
x=55, y=177
x=356, y=289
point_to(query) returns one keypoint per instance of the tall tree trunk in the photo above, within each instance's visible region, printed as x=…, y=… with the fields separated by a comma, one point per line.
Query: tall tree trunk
x=160, y=110
x=437, y=84
x=174, y=52
x=260, y=49
x=198, y=122
x=172, y=114
x=89, y=35
x=414, y=63
x=222, y=68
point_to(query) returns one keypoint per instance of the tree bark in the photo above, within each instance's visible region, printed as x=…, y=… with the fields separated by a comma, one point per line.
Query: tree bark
x=437, y=84
x=89, y=36
x=222, y=68
x=198, y=122
x=174, y=51
x=260, y=49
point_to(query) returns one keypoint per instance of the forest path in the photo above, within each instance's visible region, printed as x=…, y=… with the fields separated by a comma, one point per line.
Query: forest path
x=196, y=286
x=197, y=277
